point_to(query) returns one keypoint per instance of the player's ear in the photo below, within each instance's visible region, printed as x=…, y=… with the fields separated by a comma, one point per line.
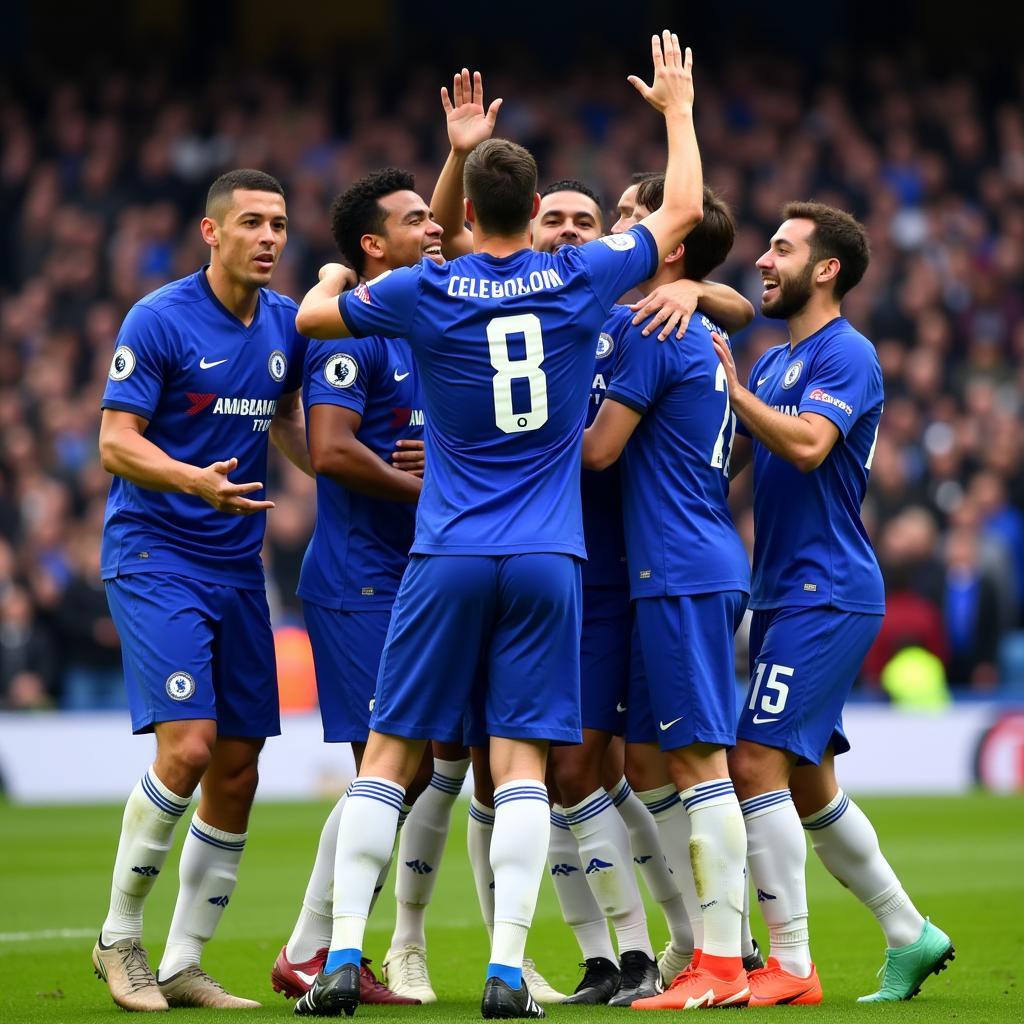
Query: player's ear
x=536, y=205
x=676, y=254
x=208, y=229
x=828, y=270
x=370, y=244
x=470, y=212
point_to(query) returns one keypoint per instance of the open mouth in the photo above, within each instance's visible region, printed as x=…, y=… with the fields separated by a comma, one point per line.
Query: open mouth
x=770, y=288
x=265, y=260
x=433, y=251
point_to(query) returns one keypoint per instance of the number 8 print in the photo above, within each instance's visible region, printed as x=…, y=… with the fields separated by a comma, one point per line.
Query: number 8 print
x=498, y=331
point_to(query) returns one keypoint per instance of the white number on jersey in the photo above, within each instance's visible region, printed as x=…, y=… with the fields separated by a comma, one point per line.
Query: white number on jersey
x=770, y=705
x=719, y=460
x=528, y=368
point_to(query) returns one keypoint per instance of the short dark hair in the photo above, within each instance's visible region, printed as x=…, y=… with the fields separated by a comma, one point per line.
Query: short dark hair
x=244, y=178
x=357, y=211
x=836, y=234
x=707, y=245
x=572, y=185
x=639, y=177
x=501, y=180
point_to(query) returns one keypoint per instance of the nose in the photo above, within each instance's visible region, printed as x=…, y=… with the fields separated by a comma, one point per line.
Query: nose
x=765, y=262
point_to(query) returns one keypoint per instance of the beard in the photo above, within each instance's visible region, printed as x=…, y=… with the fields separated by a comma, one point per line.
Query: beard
x=792, y=297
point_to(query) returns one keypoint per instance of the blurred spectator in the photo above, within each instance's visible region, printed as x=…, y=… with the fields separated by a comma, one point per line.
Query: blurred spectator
x=971, y=614
x=27, y=664
x=102, y=183
x=89, y=645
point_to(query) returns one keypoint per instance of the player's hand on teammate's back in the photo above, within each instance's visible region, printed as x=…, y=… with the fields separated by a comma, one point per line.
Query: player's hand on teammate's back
x=214, y=487
x=669, y=307
x=672, y=91
x=411, y=457
x=469, y=123
x=724, y=353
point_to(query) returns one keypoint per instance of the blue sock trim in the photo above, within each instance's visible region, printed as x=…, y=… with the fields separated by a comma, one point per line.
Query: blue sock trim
x=337, y=958
x=512, y=976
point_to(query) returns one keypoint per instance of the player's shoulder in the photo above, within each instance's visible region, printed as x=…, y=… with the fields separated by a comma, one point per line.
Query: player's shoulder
x=164, y=300
x=278, y=302
x=840, y=334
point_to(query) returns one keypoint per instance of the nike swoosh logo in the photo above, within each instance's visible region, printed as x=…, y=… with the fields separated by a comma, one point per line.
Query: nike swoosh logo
x=619, y=708
x=668, y=725
x=204, y=365
x=307, y=978
x=758, y=720
x=402, y=376
x=761, y=381
x=708, y=999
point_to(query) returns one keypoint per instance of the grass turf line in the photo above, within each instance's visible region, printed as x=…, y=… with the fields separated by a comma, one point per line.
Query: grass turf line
x=960, y=859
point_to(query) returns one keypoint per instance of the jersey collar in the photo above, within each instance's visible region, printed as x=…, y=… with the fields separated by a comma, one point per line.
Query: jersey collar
x=204, y=281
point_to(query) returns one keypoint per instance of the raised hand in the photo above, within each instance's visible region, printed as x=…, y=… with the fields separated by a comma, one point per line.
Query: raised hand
x=672, y=91
x=469, y=123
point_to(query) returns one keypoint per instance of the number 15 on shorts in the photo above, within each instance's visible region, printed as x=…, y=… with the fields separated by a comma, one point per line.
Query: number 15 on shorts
x=774, y=695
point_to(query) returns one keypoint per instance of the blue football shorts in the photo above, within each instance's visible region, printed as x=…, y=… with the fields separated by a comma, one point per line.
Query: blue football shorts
x=194, y=649
x=803, y=663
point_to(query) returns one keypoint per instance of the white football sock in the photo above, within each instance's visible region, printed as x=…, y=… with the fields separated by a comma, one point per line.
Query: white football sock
x=847, y=844
x=519, y=847
x=673, y=825
x=608, y=866
x=650, y=861
x=366, y=838
x=718, y=850
x=207, y=874
x=403, y=813
x=746, y=937
x=420, y=849
x=777, y=855
x=579, y=908
x=147, y=831
x=312, y=931
x=478, y=845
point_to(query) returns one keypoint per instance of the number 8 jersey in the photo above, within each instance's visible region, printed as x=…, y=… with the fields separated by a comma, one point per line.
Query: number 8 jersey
x=505, y=351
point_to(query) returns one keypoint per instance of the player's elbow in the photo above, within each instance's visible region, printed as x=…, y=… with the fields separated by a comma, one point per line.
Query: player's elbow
x=108, y=458
x=808, y=458
x=328, y=460
x=306, y=322
x=597, y=456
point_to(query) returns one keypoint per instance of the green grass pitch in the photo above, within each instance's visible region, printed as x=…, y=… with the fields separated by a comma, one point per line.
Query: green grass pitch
x=961, y=859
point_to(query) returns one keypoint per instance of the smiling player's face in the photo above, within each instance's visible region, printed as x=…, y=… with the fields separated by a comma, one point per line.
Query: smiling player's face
x=565, y=218
x=250, y=236
x=786, y=270
x=410, y=231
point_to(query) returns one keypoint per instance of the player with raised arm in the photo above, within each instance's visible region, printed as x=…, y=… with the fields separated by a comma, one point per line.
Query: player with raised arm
x=504, y=341
x=364, y=404
x=812, y=408
x=589, y=775
x=205, y=370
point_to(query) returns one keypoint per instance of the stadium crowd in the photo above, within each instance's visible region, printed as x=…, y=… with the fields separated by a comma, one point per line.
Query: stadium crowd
x=102, y=185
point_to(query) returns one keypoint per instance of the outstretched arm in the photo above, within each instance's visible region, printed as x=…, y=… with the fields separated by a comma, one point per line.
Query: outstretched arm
x=469, y=124
x=682, y=208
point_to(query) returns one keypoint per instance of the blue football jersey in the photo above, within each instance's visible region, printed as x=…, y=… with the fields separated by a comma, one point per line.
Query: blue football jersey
x=602, y=491
x=209, y=387
x=810, y=546
x=505, y=348
x=360, y=545
x=680, y=537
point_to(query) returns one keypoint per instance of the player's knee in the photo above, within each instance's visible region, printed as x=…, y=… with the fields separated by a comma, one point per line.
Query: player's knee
x=576, y=775
x=751, y=772
x=187, y=759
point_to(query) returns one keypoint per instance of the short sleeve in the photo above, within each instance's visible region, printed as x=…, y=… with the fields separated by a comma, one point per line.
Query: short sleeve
x=137, y=371
x=638, y=373
x=339, y=372
x=385, y=306
x=840, y=382
x=616, y=263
